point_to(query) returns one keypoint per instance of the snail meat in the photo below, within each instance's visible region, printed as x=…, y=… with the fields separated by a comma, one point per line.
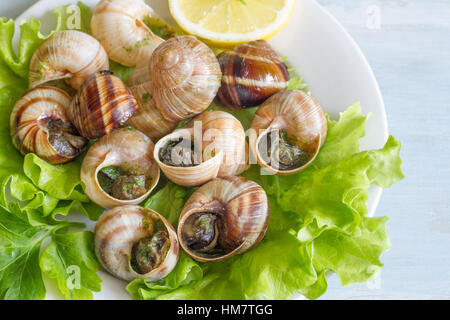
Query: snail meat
x=39, y=124
x=283, y=150
x=287, y=132
x=121, y=184
x=102, y=104
x=134, y=242
x=119, y=168
x=251, y=74
x=212, y=144
x=224, y=217
x=179, y=153
x=70, y=55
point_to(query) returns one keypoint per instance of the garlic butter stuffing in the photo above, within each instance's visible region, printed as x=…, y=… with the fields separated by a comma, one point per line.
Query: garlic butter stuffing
x=125, y=133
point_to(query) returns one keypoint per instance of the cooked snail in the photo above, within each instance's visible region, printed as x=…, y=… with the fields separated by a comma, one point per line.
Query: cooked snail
x=39, y=125
x=134, y=242
x=287, y=132
x=212, y=144
x=251, y=74
x=224, y=217
x=182, y=80
x=120, y=26
x=102, y=104
x=119, y=168
x=70, y=55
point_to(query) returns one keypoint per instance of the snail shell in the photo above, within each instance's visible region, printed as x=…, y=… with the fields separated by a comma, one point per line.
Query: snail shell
x=220, y=140
x=149, y=119
x=125, y=148
x=119, y=26
x=39, y=124
x=182, y=80
x=118, y=231
x=102, y=104
x=70, y=55
x=304, y=124
x=224, y=217
x=251, y=74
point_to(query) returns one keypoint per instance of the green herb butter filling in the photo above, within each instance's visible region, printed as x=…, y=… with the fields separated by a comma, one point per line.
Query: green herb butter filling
x=122, y=184
x=281, y=151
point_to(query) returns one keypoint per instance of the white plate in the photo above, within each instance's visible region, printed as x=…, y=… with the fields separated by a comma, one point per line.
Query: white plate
x=324, y=54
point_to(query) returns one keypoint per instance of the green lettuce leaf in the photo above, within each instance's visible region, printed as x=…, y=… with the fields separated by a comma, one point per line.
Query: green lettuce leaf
x=20, y=274
x=169, y=201
x=70, y=259
x=32, y=191
x=185, y=272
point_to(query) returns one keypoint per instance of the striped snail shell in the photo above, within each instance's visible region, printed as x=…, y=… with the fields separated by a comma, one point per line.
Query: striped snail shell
x=224, y=217
x=102, y=104
x=119, y=26
x=119, y=168
x=134, y=242
x=39, y=124
x=220, y=149
x=287, y=132
x=182, y=80
x=70, y=55
x=149, y=119
x=251, y=74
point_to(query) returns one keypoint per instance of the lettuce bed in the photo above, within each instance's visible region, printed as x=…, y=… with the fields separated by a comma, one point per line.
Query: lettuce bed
x=318, y=217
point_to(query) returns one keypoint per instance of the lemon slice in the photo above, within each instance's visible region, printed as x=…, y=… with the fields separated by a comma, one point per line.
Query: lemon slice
x=226, y=23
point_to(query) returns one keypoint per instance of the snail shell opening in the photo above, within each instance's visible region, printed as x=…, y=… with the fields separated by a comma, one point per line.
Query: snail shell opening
x=134, y=242
x=288, y=131
x=224, y=217
x=186, y=166
x=119, y=169
x=213, y=144
x=39, y=124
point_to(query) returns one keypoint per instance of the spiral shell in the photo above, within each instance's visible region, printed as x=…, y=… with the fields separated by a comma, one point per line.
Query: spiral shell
x=220, y=149
x=149, y=119
x=118, y=231
x=182, y=80
x=119, y=26
x=235, y=215
x=124, y=147
x=70, y=55
x=251, y=74
x=300, y=117
x=102, y=104
x=39, y=124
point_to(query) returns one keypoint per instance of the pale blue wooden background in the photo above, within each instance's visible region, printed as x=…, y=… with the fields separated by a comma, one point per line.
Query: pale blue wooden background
x=409, y=51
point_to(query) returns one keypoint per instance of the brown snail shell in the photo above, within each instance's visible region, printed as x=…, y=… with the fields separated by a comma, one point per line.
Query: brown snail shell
x=39, y=124
x=119, y=26
x=102, y=104
x=118, y=231
x=301, y=118
x=182, y=80
x=252, y=72
x=236, y=214
x=124, y=147
x=222, y=149
x=70, y=55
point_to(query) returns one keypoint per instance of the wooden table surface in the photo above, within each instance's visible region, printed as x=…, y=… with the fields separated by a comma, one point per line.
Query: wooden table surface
x=407, y=43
